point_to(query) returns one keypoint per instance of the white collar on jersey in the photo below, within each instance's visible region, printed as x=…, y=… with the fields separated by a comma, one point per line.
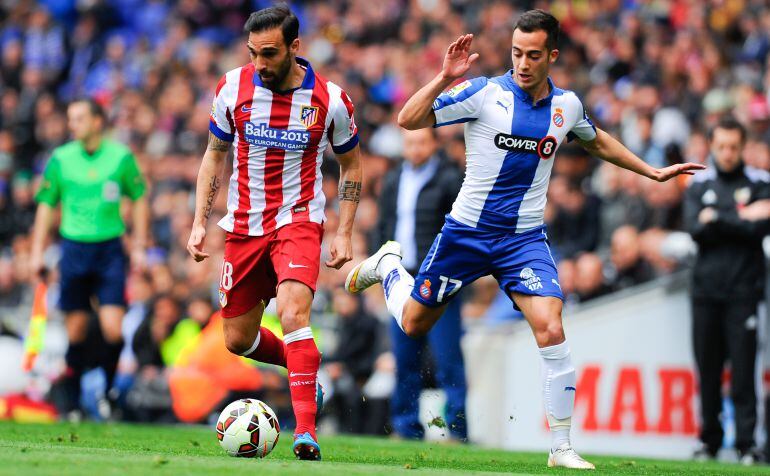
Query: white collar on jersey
x=524, y=96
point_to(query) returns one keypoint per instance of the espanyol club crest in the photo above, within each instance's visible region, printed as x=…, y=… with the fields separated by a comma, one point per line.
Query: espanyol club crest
x=558, y=119
x=425, y=291
x=308, y=115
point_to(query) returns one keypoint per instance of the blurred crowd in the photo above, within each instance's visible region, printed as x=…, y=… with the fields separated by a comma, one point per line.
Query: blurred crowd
x=654, y=74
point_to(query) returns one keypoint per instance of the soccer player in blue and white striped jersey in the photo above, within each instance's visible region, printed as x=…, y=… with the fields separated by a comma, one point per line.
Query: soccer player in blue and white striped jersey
x=514, y=124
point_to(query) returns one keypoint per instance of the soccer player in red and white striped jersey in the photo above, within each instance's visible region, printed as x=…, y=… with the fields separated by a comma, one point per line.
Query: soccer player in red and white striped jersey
x=280, y=116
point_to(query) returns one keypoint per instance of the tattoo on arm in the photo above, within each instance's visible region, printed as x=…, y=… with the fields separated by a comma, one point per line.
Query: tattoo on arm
x=350, y=191
x=213, y=188
x=217, y=144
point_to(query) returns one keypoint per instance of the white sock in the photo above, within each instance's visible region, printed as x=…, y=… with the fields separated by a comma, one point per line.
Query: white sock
x=397, y=284
x=300, y=334
x=559, y=379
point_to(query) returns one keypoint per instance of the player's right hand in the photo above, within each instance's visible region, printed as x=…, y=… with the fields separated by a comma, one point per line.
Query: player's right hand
x=458, y=59
x=195, y=243
x=37, y=269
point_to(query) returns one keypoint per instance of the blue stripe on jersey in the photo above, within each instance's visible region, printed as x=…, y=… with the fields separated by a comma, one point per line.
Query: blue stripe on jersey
x=214, y=129
x=347, y=146
x=519, y=168
x=445, y=99
x=458, y=121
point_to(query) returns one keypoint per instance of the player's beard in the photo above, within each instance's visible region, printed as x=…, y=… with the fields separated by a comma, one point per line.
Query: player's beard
x=280, y=74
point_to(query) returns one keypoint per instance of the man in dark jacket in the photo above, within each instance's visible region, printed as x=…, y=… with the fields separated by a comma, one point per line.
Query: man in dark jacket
x=414, y=199
x=351, y=364
x=726, y=211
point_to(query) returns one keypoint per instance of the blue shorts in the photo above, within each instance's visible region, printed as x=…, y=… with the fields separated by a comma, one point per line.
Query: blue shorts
x=92, y=269
x=521, y=263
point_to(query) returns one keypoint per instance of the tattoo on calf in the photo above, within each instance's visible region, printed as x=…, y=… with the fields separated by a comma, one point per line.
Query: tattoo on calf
x=213, y=188
x=350, y=191
x=217, y=144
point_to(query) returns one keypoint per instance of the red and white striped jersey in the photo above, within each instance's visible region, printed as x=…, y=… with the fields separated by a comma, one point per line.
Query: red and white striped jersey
x=279, y=139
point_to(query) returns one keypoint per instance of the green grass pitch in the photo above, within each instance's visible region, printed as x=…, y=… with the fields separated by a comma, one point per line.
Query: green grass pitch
x=120, y=449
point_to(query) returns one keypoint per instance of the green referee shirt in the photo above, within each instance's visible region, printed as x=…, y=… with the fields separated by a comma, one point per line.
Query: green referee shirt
x=89, y=187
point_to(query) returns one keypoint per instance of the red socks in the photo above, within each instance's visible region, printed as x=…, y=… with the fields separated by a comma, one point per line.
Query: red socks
x=269, y=349
x=303, y=361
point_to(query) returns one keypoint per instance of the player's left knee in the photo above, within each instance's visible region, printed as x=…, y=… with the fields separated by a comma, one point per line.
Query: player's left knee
x=551, y=333
x=414, y=328
x=293, y=317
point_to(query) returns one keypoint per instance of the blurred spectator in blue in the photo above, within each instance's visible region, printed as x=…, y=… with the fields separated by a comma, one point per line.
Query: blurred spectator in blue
x=116, y=71
x=44, y=46
x=85, y=52
x=11, y=62
x=415, y=197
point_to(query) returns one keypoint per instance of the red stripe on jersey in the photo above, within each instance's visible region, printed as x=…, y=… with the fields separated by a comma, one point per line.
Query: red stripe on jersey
x=245, y=98
x=349, y=106
x=307, y=174
x=220, y=85
x=230, y=120
x=279, y=119
x=348, y=103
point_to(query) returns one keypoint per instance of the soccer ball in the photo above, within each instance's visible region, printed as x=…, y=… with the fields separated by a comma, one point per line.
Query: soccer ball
x=248, y=428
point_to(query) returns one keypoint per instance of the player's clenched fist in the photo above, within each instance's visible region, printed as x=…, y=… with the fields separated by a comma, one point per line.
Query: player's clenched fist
x=195, y=243
x=341, y=251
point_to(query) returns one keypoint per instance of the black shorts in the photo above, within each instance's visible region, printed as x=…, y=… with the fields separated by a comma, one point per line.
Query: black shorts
x=92, y=270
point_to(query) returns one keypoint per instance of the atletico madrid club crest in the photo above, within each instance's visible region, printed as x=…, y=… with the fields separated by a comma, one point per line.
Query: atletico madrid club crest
x=425, y=291
x=222, y=298
x=308, y=115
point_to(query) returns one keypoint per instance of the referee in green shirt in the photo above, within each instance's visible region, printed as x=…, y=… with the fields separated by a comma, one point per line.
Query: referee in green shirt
x=88, y=177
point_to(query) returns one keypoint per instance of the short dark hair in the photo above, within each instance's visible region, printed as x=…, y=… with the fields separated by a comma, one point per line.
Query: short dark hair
x=273, y=17
x=94, y=107
x=536, y=20
x=731, y=124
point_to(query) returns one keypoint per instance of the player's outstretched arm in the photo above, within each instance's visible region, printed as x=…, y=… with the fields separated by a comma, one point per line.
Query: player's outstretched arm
x=417, y=113
x=209, y=181
x=341, y=249
x=609, y=149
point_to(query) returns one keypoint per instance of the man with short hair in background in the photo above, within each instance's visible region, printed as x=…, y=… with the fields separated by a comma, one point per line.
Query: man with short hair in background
x=89, y=177
x=415, y=197
x=727, y=212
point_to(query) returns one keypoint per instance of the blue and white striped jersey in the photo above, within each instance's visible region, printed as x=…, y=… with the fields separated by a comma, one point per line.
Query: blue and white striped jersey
x=510, y=144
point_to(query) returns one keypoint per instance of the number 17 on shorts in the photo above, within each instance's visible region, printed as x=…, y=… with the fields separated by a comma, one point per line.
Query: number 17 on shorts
x=425, y=289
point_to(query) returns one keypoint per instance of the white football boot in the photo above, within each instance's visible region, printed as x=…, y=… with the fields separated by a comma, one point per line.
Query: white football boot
x=566, y=457
x=365, y=274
